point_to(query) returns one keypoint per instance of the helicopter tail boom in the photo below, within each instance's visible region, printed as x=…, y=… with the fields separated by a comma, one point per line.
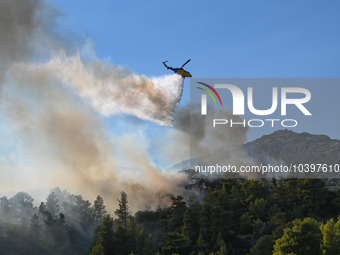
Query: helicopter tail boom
x=165, y=64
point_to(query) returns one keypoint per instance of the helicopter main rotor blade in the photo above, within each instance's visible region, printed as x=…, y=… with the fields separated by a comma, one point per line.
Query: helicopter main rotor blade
x=185, y=63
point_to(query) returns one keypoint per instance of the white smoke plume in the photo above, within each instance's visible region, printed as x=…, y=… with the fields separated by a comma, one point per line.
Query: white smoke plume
x=112, y=89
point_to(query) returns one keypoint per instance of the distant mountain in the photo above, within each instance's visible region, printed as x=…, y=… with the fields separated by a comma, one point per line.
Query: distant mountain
x=288, y=147
x=295, y=148
x=184, y=165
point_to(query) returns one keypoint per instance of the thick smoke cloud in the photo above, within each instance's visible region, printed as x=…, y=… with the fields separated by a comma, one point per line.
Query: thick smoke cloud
x=52, y=104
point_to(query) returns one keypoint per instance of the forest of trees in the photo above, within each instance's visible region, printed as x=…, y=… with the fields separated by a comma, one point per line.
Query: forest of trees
x=61, y=225
x=236, y=216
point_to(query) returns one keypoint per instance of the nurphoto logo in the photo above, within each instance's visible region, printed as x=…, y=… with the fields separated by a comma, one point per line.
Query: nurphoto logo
x=238, y=104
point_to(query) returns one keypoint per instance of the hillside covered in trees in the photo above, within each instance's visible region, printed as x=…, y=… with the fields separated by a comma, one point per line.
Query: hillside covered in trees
x=295, y=148
x=236, y=216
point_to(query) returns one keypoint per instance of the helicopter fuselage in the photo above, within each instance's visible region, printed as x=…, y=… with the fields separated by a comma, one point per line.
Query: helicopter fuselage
x=179, y=71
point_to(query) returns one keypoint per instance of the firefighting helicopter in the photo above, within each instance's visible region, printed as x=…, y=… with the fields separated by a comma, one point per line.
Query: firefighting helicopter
x=180, y=70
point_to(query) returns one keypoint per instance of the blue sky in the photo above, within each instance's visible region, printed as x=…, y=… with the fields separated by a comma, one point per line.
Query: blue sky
x=238, y=39
x=223, y=38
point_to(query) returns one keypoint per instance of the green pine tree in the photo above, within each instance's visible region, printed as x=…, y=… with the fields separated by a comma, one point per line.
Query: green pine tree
x=106, y=235
x=331, y=237
x=123, y=211
x=98, y=249
x=222, y=251
x=191, y=225
x=148, y=246
x=99, y=211
x=304, y=238
x=176, y=218
x=133, y=230
x=140, y=242
x=263, y=246
x=219, y=242
x=176, y=243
